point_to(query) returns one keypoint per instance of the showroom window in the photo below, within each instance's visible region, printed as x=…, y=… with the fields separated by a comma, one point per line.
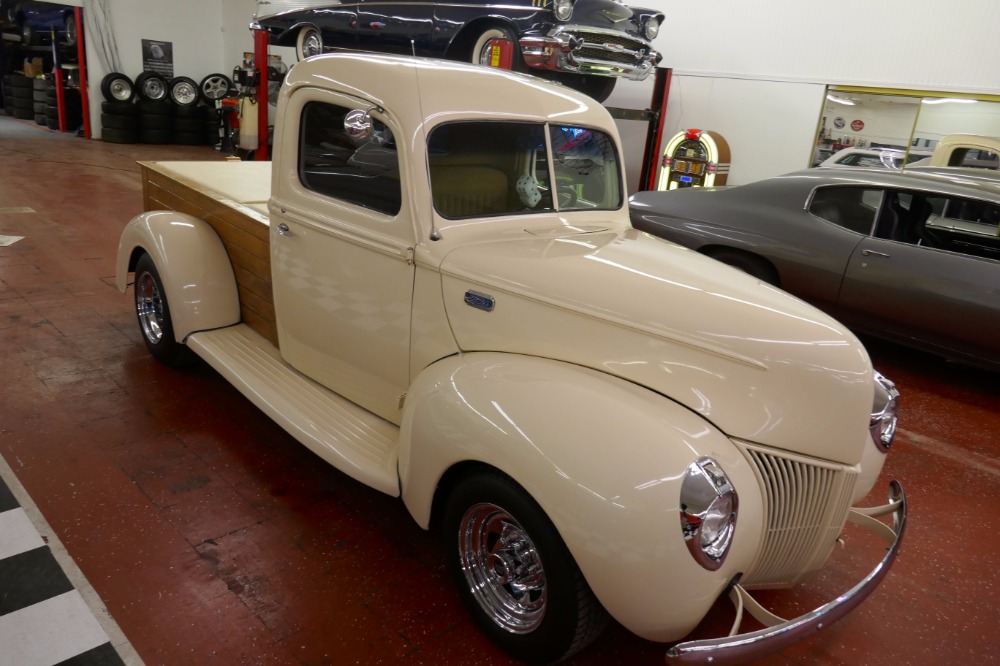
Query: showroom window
x=362, y=171
x=852, y=208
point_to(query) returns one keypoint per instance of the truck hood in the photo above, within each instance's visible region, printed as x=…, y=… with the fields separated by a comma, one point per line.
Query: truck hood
x=758, y=363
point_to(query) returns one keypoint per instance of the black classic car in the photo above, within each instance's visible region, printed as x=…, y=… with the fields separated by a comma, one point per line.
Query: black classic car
x=35, y=21
x=586, y=44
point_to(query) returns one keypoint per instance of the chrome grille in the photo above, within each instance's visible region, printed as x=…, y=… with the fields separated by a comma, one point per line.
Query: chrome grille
x=595, y=48
x=805, y=506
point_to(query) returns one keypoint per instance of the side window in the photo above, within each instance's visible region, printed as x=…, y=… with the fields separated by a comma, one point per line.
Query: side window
x=936, y=221
x=363, y=172
x=852, y=208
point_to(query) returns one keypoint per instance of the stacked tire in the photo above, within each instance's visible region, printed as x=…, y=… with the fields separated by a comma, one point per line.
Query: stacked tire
x=119, y=115
x=153, y=110
x=72, y=102
x=21, y=93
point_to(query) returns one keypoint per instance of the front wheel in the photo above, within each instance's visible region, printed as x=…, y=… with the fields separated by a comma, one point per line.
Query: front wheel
x=481, y=53
x=514, y=573
x=748, y=263
x=308, y=43
x=153, y=314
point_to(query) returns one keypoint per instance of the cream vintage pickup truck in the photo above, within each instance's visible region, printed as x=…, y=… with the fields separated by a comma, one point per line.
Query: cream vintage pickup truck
x=436, y=288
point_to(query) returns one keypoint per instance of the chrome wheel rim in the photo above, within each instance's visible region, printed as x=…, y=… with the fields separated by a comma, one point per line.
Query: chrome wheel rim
x=154, y=89
x=149, y=308
x=502, y=568
x=121, y=90
x=484, y=50
x=214, y=88
x=312, y=44
x=184, y=93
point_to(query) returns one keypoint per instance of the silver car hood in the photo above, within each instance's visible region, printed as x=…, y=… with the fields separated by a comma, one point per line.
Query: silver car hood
x=758, y=363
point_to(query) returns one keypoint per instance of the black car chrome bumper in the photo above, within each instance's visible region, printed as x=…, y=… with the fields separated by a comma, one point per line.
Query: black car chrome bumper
x=585, y=50
x=778, y=634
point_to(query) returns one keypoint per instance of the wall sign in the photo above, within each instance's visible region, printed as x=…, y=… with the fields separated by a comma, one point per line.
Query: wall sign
x=857, y=125
x=839, y=123
x=158, y=57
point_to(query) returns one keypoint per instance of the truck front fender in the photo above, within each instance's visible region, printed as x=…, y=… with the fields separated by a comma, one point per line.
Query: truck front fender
x=193, y=264
x=602, y=457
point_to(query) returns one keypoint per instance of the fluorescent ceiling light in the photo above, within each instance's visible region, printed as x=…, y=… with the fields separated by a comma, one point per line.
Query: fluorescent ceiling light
x=840, y=100
x=949, y=100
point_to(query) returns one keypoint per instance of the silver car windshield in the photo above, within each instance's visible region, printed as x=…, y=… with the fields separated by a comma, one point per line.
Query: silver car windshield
x=504, y=168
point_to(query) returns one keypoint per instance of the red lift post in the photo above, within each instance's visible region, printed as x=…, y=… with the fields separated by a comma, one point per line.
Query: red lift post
x=260, y=64
x=82, y=60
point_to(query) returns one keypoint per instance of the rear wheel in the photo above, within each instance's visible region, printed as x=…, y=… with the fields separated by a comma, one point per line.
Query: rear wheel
x=153, y=314
x=514, y=573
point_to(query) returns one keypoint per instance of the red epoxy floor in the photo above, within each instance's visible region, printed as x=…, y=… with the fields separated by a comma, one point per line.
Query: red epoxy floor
x=214, y=538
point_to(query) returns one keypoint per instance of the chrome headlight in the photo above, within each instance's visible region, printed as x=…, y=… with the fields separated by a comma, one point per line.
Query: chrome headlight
x=708, y=512
x=563, y=9
x=884, y=406
x=651, y=28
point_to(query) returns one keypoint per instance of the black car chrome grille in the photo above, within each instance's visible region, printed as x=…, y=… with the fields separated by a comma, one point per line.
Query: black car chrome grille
x=609, y=47
x=806, y=504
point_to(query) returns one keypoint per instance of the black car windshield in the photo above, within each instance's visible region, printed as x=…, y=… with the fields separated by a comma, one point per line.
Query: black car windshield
x=501, y=168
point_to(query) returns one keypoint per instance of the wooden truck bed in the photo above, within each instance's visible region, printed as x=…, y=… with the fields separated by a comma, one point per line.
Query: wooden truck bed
x=232, y=198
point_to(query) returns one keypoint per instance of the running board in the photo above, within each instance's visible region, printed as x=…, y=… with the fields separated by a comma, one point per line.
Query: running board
x=352, y=439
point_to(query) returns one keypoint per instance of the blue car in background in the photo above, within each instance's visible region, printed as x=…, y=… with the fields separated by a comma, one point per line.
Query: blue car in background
x=35, y=21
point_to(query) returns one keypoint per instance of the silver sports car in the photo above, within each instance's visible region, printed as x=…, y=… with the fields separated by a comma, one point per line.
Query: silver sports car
x=912, y=258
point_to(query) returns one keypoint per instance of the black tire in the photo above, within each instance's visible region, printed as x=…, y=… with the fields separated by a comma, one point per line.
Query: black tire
x=153, y=315
x=152, y=86
x=116, y=87
x=156, y=136
x=23, y=105
x=183, y=91
x=29, y=36
x=40, y=95
x=190, y=111
x=52, y=123
x=22, y=93
x=550, y=627
x=41, y=118
x=40, y=83
x=189, y=138
x=120, y=109
x=39, y=107
x=111, y=135
x=155, y=122
x=21, y=81
x=750, y=264
x=111, y=121
x=23, y=114
x=478, y=53
x=187, y=124
x=71, y=32
x=214, y=87
x=52, y=111
x=155, y=108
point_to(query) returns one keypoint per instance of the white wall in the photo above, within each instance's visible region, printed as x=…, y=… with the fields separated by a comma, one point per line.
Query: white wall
x=783, y=53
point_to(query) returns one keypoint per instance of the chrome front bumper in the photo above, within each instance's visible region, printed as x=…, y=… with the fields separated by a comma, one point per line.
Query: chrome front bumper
x=779, y=633
x=584, y=50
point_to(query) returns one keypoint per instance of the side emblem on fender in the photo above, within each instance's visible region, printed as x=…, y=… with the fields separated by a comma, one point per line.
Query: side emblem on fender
x=478, y=300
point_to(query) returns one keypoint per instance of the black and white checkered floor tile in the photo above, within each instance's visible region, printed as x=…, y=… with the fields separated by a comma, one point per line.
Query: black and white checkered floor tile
x=45, y=617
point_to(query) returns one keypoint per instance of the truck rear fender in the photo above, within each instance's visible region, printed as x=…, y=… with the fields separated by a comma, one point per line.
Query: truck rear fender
x=193, y=264
x=602, y=457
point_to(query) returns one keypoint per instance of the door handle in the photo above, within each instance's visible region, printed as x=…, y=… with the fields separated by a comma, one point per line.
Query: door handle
x=283, y=230
x=873, y=253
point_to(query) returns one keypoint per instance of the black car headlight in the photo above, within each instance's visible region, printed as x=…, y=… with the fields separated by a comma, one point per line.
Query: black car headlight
x=884, y=407
x=652, y=28
x=563, y=9
x=709, y=504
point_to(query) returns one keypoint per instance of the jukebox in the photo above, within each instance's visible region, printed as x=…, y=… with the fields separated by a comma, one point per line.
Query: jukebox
x=694, y=158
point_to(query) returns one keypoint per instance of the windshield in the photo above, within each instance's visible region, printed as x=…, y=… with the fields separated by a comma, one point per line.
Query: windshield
x=501, y=168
